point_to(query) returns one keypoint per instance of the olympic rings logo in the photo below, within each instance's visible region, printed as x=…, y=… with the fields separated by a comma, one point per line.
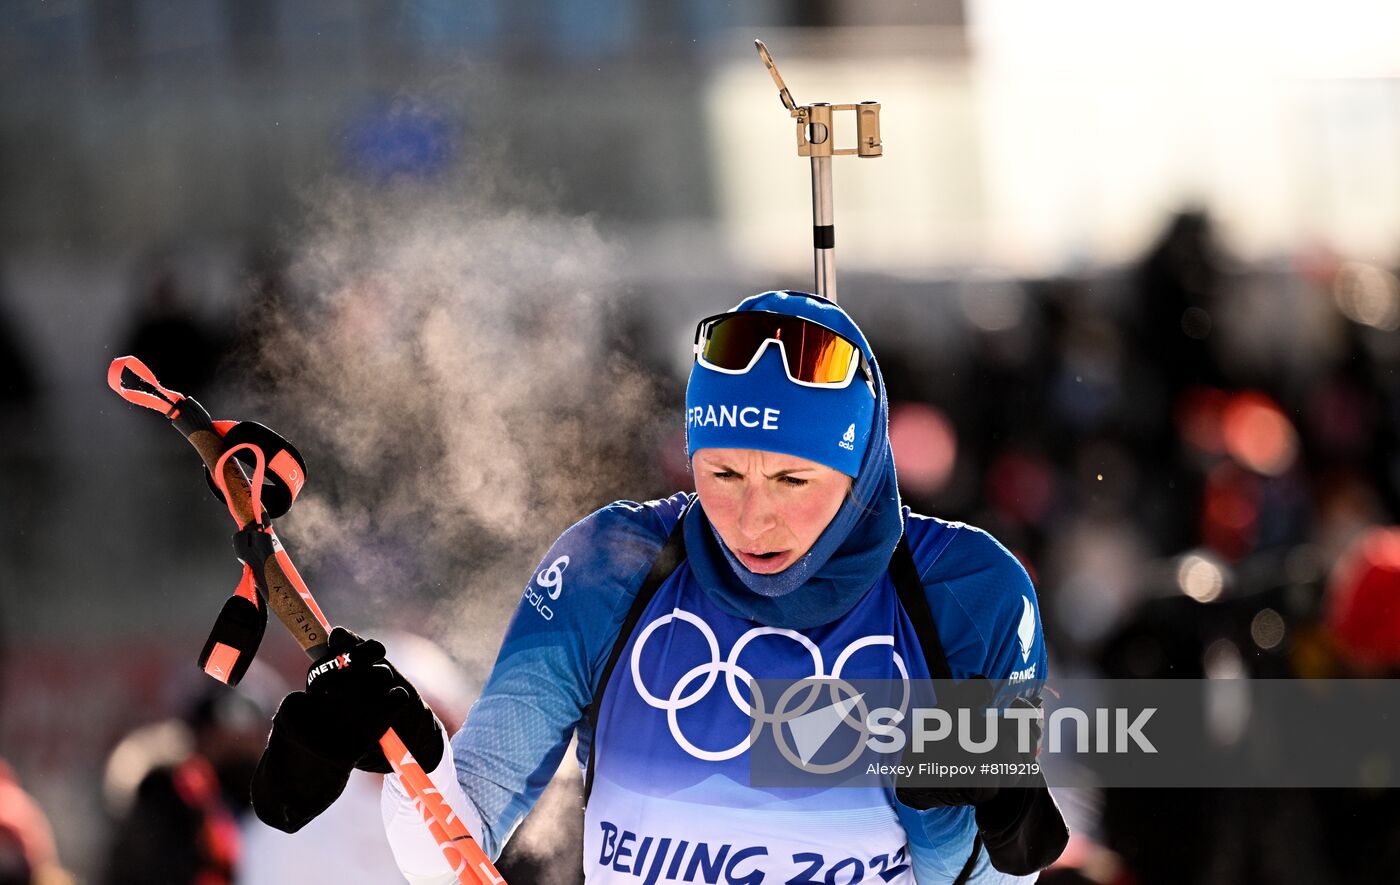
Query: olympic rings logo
x=697, y=683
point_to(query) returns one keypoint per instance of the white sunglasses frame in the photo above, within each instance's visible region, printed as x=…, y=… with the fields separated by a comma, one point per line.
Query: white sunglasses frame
x=857, y=356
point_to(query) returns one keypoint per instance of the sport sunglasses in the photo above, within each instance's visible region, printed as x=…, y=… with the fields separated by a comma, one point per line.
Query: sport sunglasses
x=813, y=355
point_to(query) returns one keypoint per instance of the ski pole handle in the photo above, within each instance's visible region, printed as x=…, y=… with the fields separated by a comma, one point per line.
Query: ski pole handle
x=290, y=598
x=292, y=602
x=287, y=594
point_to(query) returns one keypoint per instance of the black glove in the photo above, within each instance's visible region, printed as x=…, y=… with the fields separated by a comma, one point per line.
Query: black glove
x=352, y=696
x=1020, y=824
x=1022, y=828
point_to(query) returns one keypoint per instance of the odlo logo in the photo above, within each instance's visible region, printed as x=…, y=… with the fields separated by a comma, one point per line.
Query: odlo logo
x=552, y=578
x=551, y=581
x=848, y=439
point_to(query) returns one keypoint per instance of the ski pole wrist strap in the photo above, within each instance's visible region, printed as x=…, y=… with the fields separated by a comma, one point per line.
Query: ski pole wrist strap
x=278, y=476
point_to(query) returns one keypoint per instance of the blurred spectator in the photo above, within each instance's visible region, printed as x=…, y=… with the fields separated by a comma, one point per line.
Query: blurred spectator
x=25, y=469
x=1345, y=625
x=168, y=336
x=1171, y=349
x=180, y=826
x=27, y=854
x=1086, y=863
x=18, y=386
x=1362, y=612
x=4, y=647
x=1178, y=286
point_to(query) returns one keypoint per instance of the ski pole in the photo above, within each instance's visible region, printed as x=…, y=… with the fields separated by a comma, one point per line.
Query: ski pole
x=270, y=574
x=815, y=139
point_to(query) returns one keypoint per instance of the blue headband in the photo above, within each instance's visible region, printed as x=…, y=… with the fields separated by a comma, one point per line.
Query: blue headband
x=763, y=409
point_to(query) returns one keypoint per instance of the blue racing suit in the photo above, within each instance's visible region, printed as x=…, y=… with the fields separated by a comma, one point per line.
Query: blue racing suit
x=670, y=799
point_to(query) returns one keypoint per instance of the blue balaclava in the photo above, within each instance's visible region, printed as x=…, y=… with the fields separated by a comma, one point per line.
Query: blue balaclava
x=845, y=429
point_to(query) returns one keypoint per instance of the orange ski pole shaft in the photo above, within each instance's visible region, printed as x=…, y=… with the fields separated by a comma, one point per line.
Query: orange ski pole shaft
x=466, y=859
x=291, y=600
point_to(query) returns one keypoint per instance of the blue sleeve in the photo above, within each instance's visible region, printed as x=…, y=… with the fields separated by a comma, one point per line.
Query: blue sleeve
x=551, y=658
x=989, y=622
x=983, y=603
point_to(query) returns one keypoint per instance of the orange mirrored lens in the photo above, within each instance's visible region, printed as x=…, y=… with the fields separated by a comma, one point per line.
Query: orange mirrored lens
x=815, y=354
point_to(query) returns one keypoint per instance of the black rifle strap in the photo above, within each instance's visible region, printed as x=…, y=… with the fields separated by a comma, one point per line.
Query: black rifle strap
x=915, y=601
x=971, y=862
x=667, y=561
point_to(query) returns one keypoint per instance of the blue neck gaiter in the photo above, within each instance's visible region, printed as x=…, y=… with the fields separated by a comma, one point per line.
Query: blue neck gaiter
x=854, y=550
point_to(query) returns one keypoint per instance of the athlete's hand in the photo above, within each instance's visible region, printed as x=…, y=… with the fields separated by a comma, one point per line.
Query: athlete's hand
x=1018, y=819
x=319, y=735
x=993, y=770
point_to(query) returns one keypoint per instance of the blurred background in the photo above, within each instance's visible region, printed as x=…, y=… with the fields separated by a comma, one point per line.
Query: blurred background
x=1129, y=270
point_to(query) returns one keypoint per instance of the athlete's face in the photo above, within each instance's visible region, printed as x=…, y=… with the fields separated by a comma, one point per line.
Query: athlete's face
x=769, y=508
